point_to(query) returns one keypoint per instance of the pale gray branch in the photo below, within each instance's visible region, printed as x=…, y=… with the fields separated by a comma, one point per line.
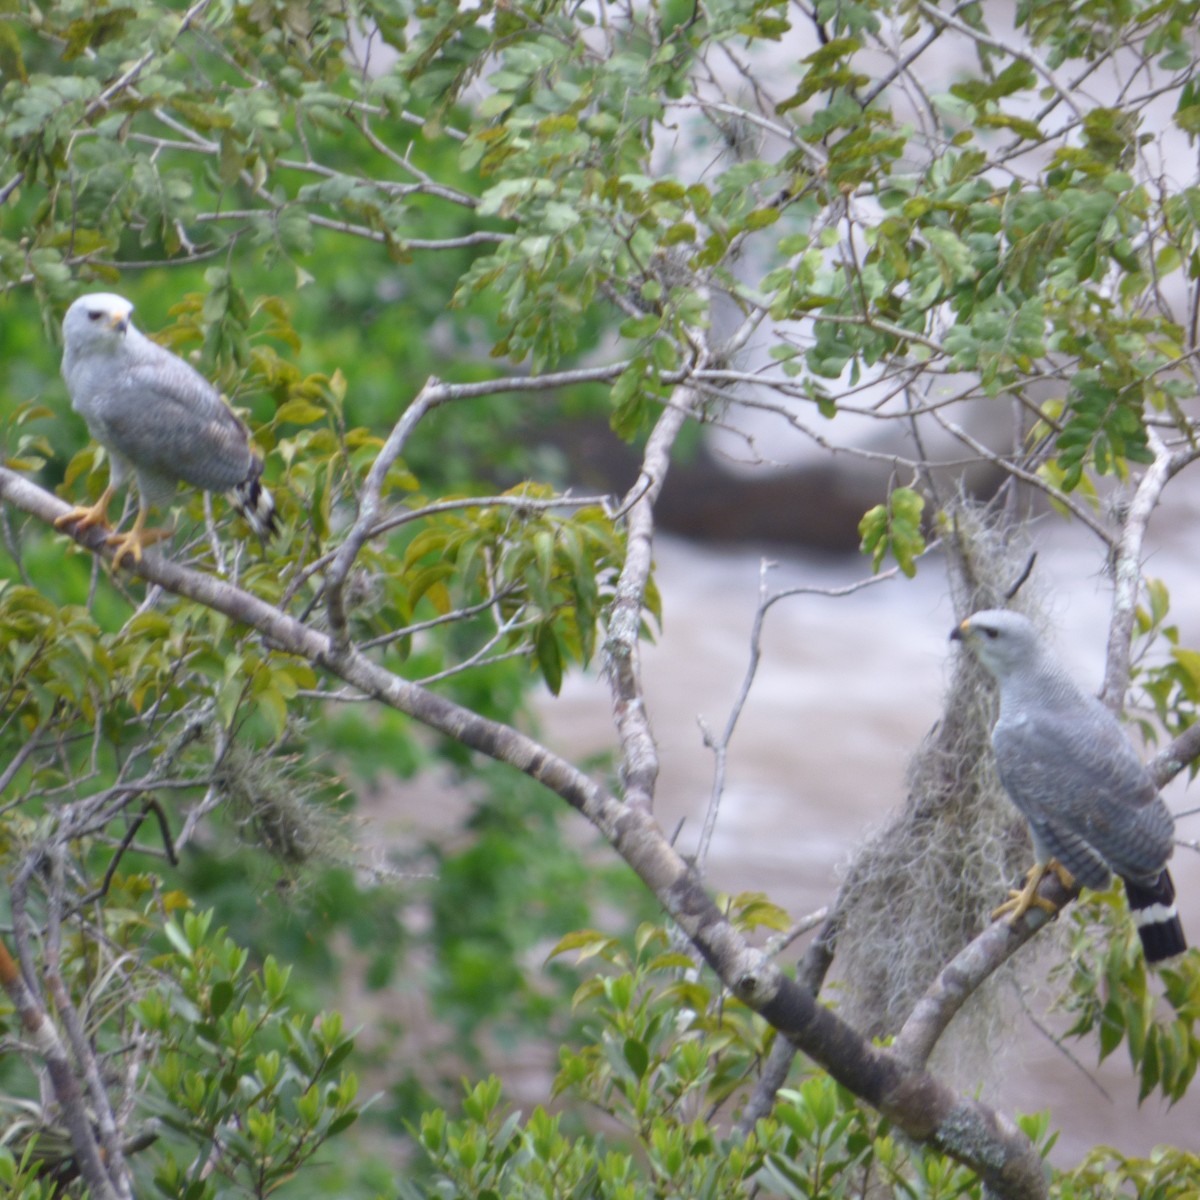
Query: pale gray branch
x=639, y=754
x=1126, y=568
x=964, y=974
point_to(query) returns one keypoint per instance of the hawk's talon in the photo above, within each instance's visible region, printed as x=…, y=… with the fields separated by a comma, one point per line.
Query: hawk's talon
x=135, y=541
x=1064, y=876
x=132, y=544
x=1020, y=902
x=85, y=516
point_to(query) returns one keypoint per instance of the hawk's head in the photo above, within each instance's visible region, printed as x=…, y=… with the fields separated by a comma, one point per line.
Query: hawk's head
x=1003, y=641
x=97, y=319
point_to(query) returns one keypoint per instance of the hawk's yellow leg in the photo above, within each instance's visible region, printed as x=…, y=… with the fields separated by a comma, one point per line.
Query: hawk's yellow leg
x=85, y=516
x=131, y=544
x=1019, y=903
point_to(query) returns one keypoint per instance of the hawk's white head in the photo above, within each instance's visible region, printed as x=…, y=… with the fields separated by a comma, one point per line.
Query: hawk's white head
x=95, y=321
x=1004, y=642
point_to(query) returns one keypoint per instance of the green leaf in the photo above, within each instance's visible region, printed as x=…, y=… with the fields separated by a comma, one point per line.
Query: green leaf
x=549, y=657
x=588, y=942
x=895, y=528
x=220, y=997
x=637, y=1056
x=300, y=412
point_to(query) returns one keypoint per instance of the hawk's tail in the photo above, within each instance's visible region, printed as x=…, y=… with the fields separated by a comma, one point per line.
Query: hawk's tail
x=255, y=503
x=1154, y=914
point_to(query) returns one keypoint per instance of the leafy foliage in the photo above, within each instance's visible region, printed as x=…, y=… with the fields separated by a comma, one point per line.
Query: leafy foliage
x=1171, y=686
x=895, y=527
x=1111, y=993
x=232, y=1067
x=664, y=1051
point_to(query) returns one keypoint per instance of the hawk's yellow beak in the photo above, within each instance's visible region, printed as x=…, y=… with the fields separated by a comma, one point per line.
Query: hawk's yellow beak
x=960, y=631
x=120, y=320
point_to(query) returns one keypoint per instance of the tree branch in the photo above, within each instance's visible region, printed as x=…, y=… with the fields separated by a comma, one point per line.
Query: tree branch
x=639, y=754
x=1171, y=759
x=966, y=972
x=1127, y=575
x=433, y=394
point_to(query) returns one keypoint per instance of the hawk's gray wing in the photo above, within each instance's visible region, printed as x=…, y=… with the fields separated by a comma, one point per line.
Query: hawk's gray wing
x=1088, y=798
x=170, y=422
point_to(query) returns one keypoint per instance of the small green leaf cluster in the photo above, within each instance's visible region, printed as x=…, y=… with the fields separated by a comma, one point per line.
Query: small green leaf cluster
x=235, y=1070
x=22, y=450
x=656, y=1024
x=50, y=656
x=1172, y=686
x=1110, y=992
x=895, y=528
x=24, y=1177
x=1166, y=1174
x=547, y=573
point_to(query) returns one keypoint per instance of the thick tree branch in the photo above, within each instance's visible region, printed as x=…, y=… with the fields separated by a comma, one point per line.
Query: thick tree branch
x=639, y=754
x=1127, y=567
x=813, y=968
x=915, y=1101
x=1127, y=575
x=966, y=972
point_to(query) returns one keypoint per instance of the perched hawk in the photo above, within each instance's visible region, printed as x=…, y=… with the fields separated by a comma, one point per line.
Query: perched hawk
x=1065, y=761
x=156, y=417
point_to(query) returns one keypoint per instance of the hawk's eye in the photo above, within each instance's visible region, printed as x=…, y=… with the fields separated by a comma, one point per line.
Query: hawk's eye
x=94, y=315
x=990, y=632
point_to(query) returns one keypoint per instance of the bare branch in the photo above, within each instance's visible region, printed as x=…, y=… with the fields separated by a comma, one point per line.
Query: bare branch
x=639, y=754
x=963, y=975
x=720, y=745
x=433, y=394
x=1127, y=566
x=1170, y=760
x=1018, y=472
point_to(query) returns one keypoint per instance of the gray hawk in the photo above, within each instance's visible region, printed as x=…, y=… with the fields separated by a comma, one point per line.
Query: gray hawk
x=1064, y=760
x=157, y=417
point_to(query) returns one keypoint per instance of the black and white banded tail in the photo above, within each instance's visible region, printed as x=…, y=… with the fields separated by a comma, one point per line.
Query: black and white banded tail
x=1153, y=908
x=255, y=503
